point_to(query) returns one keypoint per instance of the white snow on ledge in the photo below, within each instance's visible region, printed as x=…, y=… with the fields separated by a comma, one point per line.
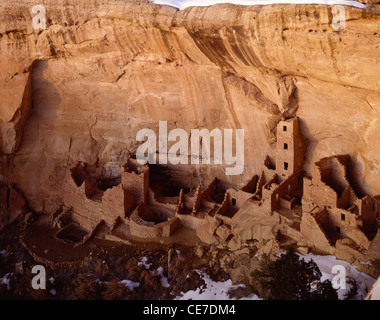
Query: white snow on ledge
x=374, y=294
x=213, y=290
x=182, y=4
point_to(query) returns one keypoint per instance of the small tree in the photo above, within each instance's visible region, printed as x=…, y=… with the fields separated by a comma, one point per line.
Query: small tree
x=291, y=278
x=351, y=294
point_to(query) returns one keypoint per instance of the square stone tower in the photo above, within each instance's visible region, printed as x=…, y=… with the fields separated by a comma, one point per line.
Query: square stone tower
x=290, y=151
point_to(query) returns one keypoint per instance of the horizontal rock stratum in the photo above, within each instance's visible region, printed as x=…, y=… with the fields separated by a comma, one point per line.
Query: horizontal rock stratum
x=82, y=88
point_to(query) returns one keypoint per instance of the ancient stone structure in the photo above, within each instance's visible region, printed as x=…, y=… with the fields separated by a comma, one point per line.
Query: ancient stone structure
x=324, y=211
x=77, y=93
x=331, y=200
x=94, y=200
x=290, y=150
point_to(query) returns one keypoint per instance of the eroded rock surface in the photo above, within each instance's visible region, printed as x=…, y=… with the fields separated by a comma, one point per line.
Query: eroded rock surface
x=102, y=70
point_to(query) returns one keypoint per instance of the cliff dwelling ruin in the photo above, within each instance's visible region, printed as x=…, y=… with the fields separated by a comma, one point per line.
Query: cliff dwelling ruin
x=325, y=212
x=79, y=91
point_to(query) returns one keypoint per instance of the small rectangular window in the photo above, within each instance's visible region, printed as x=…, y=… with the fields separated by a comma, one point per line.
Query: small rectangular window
x=285, y=128
x=233, y=202
x=285, y=146
x=343, y=217
x=286, y=166
x=338, y=229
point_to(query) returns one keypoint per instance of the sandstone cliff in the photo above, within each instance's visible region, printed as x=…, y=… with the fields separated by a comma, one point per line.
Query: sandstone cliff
x=102, y=70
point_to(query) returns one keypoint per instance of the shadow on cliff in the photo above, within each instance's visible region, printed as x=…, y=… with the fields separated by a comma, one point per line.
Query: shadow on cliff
x=27, y=162
x=354, y=169
x=45, y=97
x=45, y=101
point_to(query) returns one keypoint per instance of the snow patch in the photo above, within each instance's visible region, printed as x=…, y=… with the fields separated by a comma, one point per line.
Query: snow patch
x=212, y=290
x=5, y=280
x=130, y=284
x=164, y=280
x=326, y=264
x=158, y=272
x=218, y=290
x=364, y=263
x=183, y=4
x=143, y=262
x=374, y=294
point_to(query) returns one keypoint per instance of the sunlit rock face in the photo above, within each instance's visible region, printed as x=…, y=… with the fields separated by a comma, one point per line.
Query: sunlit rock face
x=81, y=89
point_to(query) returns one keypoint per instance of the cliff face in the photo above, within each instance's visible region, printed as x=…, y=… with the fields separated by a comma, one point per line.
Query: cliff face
x=102, y=70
